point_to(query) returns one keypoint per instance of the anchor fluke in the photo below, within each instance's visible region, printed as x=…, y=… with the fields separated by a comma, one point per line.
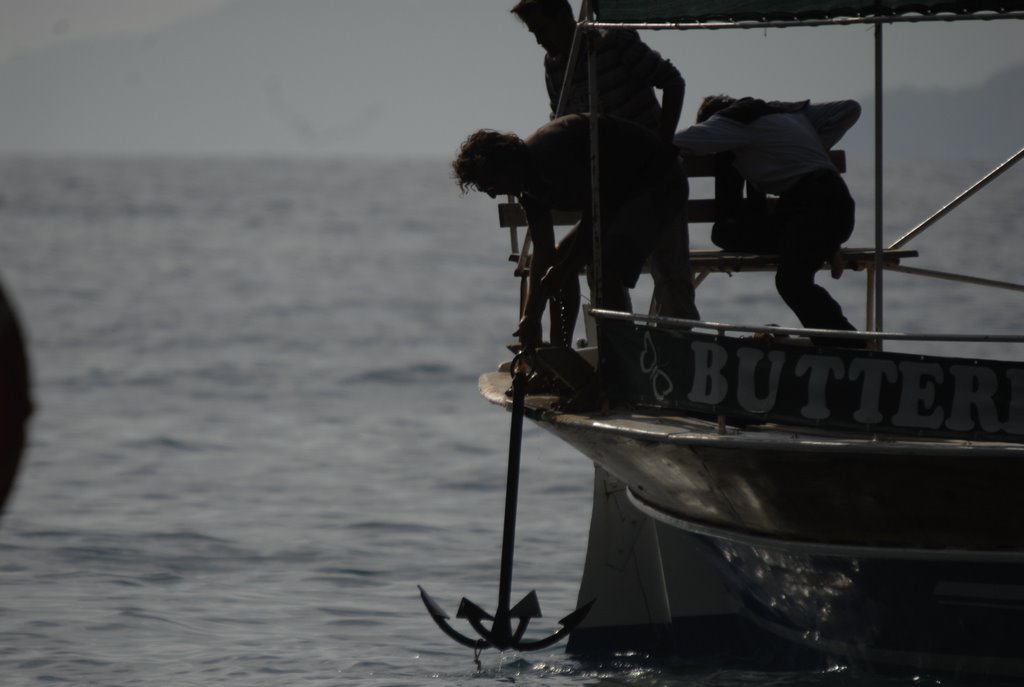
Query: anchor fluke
x=528, y=607
x=441, y=618
x=568, y=624
x=577, y=616
x=433, y=607
x=470, y=611
x=500, y=635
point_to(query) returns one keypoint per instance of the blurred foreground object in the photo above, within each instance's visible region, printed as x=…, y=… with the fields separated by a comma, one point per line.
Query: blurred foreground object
x=15, y=404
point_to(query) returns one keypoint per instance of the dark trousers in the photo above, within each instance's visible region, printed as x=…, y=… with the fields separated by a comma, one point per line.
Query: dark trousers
x=805, y=228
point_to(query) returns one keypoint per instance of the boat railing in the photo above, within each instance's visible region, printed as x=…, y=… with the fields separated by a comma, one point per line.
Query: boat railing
x=943, y=212
x=723, y=328
x=773, y=331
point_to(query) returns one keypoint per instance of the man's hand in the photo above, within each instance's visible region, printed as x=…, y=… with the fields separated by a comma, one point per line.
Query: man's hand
x=529, y=332
x=530, y=329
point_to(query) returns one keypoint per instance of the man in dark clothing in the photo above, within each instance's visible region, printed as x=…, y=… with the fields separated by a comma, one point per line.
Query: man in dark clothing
x=628, y=71
x=629, y=74
x=782, y=149
x=643, y=194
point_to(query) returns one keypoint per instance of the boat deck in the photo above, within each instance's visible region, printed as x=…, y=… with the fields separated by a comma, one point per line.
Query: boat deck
x=672, y=427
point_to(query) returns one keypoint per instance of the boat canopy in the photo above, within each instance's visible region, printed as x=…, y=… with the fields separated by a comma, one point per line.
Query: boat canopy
x=697, y=11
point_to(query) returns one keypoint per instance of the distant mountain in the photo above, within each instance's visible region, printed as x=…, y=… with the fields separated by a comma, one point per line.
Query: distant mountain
x=986, y=122
x=370, y=78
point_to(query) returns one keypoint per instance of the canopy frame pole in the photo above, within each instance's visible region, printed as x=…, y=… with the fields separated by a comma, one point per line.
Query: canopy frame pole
x=962, y=278
x=574, y=56
x=879, y=270
x=668, y=25
x=597, y=289
x=951, y=205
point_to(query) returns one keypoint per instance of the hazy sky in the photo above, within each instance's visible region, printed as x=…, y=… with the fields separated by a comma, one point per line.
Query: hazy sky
x=387, y=76
x=31, y=24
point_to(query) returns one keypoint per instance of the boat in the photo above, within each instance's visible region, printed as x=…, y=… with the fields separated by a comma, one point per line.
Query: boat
x=773, y=502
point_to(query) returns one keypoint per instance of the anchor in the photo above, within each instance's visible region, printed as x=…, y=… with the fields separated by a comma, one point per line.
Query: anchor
x=501, y=635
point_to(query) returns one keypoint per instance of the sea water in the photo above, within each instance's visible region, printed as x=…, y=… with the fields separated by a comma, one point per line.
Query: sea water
x=258, y=428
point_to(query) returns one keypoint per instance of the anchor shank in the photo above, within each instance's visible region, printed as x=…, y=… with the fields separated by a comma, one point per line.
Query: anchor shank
x=502, y=621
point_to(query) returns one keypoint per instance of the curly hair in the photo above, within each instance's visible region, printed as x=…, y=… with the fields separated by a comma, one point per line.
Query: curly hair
x=712, y=105
x=482, y=153
x=547, y=8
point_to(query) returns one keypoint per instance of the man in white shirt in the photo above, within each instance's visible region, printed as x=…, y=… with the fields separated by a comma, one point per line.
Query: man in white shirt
x=782, y=149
